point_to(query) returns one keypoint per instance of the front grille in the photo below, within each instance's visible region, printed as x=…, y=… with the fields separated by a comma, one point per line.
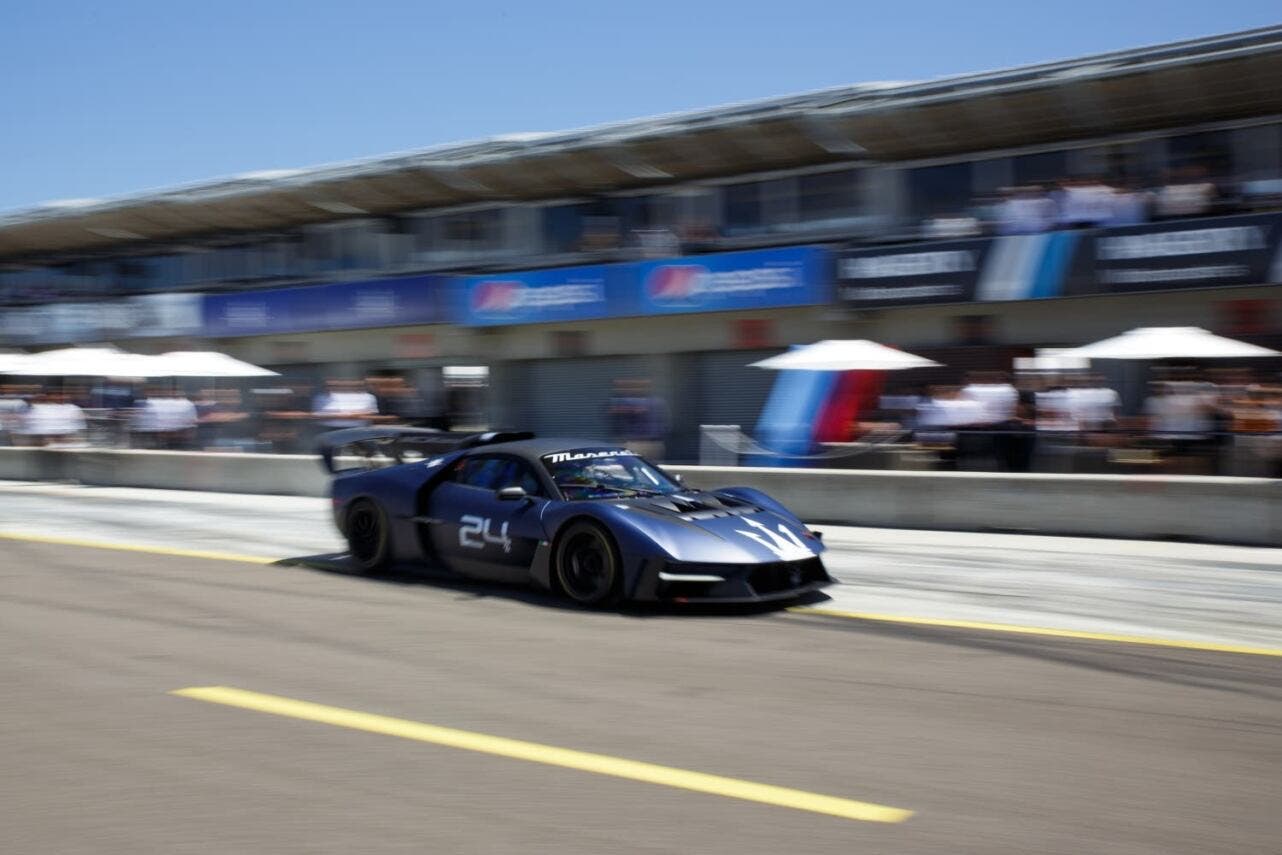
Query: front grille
x=785, y=575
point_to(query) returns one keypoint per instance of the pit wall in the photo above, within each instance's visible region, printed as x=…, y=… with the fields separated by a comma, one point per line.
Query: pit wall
x=1218, y=510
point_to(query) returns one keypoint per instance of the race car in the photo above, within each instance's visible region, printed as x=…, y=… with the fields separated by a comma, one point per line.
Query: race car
x=593, y=521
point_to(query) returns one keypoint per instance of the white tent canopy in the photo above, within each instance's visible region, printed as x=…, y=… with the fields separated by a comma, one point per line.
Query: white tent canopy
x=1168, y=343
x=85, y=362
x=845, y=355
x=12, y=363
x=207, y=363
x=112, y=362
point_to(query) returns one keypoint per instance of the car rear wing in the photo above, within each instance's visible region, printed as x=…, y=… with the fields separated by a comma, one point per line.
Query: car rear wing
x=370, y=447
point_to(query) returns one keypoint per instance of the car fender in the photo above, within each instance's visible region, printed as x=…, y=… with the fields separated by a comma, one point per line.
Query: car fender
x=398, y=490
x=636, y=542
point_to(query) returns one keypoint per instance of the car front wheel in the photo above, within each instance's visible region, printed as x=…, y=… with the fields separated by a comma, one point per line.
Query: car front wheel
x=588, y=568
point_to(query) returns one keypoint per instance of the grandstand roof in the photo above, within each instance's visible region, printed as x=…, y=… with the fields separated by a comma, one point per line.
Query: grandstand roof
x=1203, y=80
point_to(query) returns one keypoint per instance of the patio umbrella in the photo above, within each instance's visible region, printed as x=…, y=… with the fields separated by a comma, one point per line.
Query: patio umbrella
x=207, y=363
x=85, y=362
x=11, y=363
x=1145, y=343
x=845, y=355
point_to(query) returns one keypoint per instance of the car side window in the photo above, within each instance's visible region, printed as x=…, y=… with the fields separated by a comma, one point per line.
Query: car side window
x=478, y=471
x=495, y=473
x=518, y=474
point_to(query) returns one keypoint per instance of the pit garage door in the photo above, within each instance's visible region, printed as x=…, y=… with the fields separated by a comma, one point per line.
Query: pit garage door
x=729, y=391
x=716, y=389
x=570, y=397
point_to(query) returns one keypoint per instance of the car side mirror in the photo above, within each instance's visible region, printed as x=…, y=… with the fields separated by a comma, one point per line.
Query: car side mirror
x=511, y=494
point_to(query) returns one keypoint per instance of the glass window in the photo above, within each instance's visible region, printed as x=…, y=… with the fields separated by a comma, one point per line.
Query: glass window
x=1208, y=153
x=1044, y=167
x=741, y=207
x=600, y=474
x=517, y=474
x=1121, y=164
x=495, y=473
x=828, y=196
x=562, y=228
x=1257, y=153
x=478, y=471
x=476, y=228
x=940, y=190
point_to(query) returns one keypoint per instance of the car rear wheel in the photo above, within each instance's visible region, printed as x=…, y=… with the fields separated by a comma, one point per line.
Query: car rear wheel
x=588, y=568
x=367, y=535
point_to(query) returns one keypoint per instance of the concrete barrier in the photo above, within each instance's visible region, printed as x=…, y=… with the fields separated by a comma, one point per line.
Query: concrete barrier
x=1220, y=510
x=271, y=474
x=1223, y=510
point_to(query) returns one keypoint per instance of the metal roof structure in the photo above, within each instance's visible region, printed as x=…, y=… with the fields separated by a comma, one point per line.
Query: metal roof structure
x=1211, y=79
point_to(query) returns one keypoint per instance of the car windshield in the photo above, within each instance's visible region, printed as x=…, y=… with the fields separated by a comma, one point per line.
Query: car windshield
x=588, y=473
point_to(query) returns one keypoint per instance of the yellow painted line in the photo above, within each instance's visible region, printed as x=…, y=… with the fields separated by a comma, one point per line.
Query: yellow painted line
x=1041, y=630
x=137, y=547
x=549, y=755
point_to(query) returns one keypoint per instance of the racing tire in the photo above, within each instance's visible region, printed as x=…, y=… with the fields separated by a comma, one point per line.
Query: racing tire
x=368, y=537
x=588, y=568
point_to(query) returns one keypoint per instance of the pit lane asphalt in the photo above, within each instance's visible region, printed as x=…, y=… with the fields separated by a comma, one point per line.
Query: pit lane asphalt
x=1198, y=592
x=996, y=743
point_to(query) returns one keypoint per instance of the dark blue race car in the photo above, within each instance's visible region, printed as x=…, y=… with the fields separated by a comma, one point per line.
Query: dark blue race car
x=593, y=521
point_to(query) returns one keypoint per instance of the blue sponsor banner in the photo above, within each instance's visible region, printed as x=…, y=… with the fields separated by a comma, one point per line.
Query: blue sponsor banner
x=316, y=308
x=538, y=296
x=756, y=279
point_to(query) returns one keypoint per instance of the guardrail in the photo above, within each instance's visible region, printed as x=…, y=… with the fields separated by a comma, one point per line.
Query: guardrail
x=1214, y=509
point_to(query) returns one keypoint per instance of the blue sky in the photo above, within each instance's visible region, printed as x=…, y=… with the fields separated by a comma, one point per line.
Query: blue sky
x=102, y=98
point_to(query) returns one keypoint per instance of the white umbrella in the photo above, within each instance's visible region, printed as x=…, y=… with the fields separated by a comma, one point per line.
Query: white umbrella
x=12, y=363
x=845, y=355
x=1168, y=343
x=207, y=363
x=86, y=362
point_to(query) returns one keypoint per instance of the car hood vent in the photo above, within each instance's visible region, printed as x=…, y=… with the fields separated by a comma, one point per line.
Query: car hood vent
x=699, y=506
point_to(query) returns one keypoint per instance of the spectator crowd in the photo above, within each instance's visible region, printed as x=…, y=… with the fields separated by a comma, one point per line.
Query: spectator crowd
x=1222, y=421
x=1101, y=202
x=1191, y=422
x=280, y=418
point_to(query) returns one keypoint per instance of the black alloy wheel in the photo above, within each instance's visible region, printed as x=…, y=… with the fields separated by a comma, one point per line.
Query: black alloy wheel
x=588, y=567
x=367, y=536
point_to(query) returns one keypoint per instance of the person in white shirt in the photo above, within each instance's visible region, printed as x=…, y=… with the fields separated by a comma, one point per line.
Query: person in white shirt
x=1093, y=404
x=994, y=401
x=1085, y=202
x=12, y=405
x=994, y=394
x=53, y=420
x=1181, y=412
x=164, y=419
x=1025, y=211
x=940, y=415
x=1187, y=193
x=344, y=404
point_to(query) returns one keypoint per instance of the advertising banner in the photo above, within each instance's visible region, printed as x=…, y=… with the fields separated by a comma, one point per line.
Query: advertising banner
x=536, y=296
x=318, y=308
x=1202, y=253
x=1012, y=267
x=911, y=275
x=1179, y=254
x=148, y=315
x=771, y=278
x=757, y=279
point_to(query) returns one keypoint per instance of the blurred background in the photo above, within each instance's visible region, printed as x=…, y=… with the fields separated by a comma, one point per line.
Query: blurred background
x=621, y=279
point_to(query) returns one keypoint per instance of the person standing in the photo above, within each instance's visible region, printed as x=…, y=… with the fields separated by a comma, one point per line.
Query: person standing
x=165, y=419
x=344, y=404
x=53, y=421
x=988, y=439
